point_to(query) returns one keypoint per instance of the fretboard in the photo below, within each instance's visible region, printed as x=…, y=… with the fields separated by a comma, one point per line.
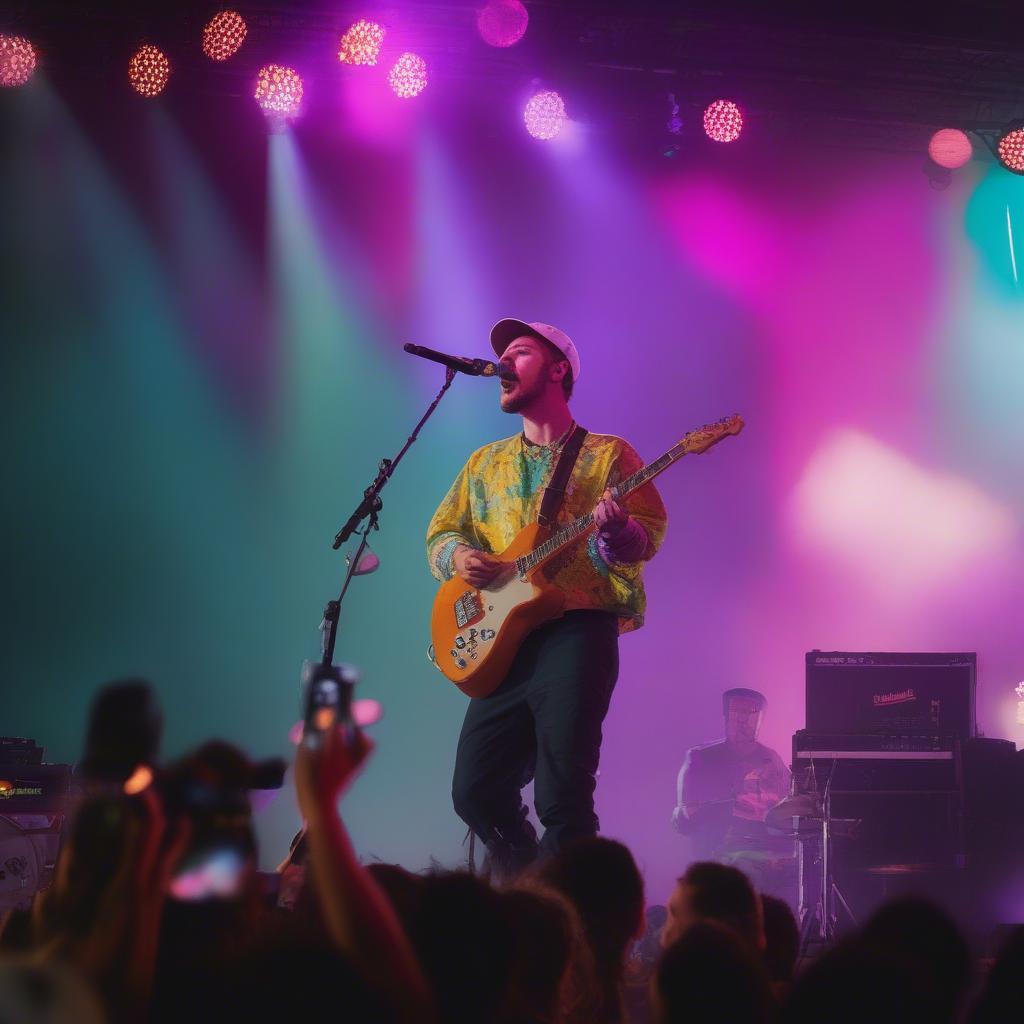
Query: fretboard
x=580, y=527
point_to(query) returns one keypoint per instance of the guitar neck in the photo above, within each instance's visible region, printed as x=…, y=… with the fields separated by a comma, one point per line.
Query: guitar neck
x=580, y=527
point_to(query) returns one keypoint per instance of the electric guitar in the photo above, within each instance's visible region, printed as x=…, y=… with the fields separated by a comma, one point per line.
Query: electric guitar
x=476, y=633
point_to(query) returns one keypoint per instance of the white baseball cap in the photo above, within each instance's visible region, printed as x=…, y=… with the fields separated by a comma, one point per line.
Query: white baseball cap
x=504, y=332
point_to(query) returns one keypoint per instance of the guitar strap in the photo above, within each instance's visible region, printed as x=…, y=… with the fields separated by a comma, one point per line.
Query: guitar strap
x=554, y=493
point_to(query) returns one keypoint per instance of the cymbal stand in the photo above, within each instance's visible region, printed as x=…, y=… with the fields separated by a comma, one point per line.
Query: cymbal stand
x=820, y=925
x=831, y=895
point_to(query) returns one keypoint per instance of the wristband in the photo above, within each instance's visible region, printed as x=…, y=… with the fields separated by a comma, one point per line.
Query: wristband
x=628, y=545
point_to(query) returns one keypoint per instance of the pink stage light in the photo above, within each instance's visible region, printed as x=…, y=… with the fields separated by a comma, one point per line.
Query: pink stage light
x=903, y=530
x=1011, y=151
x=502, y=22
x=408, y=76
x=224, y=35
x=279, y=90
x=149, y=70
x=544, y=115
x=361, y=43
x=723, y=121
x=950, y=147
x=17, y=60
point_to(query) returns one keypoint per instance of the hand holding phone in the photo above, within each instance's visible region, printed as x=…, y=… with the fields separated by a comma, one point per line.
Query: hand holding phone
x=323, y=771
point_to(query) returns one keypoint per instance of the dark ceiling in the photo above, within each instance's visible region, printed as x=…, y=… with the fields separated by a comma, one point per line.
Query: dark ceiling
x=880, y=75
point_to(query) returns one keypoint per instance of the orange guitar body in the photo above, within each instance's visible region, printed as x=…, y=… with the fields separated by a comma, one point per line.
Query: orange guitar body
x=476, y=633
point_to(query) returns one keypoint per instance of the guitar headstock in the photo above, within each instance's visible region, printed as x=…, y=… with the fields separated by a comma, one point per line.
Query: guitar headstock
x=703, y=438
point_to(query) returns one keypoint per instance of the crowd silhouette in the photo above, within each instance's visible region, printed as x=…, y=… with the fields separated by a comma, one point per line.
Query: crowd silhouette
x=156, y=912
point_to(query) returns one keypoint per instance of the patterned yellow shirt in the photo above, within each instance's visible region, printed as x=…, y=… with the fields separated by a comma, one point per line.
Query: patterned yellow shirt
x=499, y=492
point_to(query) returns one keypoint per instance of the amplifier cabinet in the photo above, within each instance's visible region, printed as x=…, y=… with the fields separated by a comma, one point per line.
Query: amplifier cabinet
x=891, y=693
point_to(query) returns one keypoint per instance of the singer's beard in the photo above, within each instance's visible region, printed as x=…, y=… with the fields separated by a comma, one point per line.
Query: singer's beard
x=519, y=397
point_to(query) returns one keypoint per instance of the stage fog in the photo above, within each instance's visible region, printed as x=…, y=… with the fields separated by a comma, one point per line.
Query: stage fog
x=203, y=366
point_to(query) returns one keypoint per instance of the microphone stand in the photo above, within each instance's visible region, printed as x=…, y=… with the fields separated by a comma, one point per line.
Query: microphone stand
x=368, y=509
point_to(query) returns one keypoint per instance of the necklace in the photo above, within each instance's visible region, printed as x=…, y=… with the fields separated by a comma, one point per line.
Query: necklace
x=535, y=448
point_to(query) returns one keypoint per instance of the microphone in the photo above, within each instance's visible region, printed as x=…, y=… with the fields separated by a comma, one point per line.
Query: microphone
x=473, y=367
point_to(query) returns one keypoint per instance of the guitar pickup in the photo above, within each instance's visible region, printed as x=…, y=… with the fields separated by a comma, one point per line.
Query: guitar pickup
x=468, y=609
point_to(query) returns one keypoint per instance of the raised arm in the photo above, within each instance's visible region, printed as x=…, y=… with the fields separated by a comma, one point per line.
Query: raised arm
x=357, y=913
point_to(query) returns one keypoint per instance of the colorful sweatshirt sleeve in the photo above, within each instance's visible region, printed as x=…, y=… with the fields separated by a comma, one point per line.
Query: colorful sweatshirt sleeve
x=644, y=505
x=451, y=525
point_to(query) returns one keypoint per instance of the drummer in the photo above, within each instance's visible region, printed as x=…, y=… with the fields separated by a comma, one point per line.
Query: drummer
x=724, y=789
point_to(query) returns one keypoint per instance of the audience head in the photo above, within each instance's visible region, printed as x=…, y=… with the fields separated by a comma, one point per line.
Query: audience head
x=919, y=930
x=782, y=939
x=460, y=934
x=707, y=976
x=648, y=947
x=547, y=978
x=124, y=731
x=854, y=982
x=601, y=880
x=403, y=889
x=715, y=892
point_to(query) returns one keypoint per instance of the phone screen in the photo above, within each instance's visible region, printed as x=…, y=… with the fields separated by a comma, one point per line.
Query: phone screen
x=215, y=874
x=328, y=698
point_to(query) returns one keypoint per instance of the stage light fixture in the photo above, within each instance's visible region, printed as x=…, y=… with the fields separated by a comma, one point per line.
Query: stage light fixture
x=723, y=121
x=544, y=115
x=950, y=148
x=17, y=60
x=361, y=43
x=224, y=35
x=502, y=22
x=149, y=70
x=408, y=75
x=279, y=90
x=1010, y=149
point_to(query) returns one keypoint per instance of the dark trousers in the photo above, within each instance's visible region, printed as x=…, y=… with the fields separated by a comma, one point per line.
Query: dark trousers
x=543, y=722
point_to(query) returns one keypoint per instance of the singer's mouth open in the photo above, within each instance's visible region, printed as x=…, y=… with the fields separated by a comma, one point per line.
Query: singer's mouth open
x=508, y=385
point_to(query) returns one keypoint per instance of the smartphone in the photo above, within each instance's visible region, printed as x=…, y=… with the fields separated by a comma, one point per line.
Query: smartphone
x=217, y=873
x=327, y=699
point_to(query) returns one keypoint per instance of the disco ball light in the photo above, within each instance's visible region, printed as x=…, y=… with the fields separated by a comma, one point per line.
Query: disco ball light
x=1011, y=151
x=408, y=76
x=279, y=90
x=723, y=121
x=224, y=35
x=149, y=71
x=17, y=60
x=502, y=22
x=950, y=147
x=361, y=43
x=544, y=115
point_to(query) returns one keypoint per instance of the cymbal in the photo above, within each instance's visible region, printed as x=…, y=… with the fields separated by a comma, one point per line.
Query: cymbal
x=804, y=806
